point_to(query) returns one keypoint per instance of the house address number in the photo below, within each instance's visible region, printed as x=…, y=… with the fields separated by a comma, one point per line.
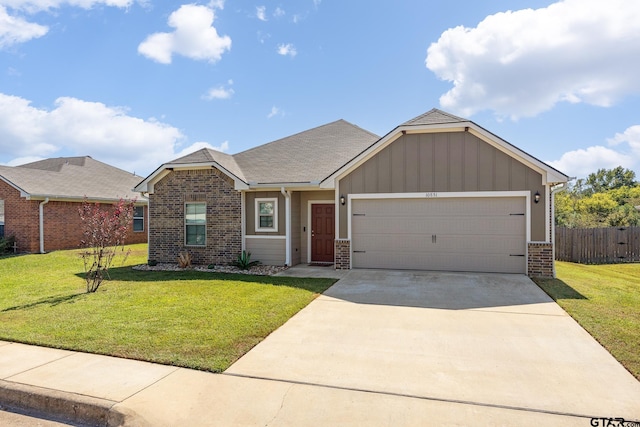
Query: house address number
x=431, y=195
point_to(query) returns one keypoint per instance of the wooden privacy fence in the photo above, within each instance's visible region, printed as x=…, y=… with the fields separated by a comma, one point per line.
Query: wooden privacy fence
x=598, y=245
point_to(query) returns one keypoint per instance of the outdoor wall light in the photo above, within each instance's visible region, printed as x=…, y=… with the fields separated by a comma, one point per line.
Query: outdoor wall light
x=536, y=197
x=342, y=200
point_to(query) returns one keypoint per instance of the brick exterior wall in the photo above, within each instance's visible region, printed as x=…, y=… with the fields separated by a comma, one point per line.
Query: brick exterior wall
x=62, y=225
x=343, y=254
x=167, y=222
x=540, y=261
x=21, y=219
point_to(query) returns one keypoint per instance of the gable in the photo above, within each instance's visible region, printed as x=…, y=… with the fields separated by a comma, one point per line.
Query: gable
x=440, y=162
x=447, y=161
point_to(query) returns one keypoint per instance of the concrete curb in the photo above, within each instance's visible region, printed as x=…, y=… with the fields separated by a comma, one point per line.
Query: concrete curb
x=61, y=405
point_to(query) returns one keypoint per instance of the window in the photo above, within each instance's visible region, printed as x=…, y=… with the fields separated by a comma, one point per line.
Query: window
x=138, y=218
x=195, y=224
x=267, y=214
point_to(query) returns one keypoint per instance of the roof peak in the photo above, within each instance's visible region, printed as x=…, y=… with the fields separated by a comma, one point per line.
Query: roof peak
x=434, y=116
x=307, y=132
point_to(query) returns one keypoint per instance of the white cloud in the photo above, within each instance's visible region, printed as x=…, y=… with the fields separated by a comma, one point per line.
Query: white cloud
x=194, y=37
x=287, y=50
x=220, y=92
x=261, y=13
x=631, y=136
x=316, y=3
x=623, y=150
x=275, y=111
x=263, y=37
x=582, y=162
x=32, y=6
x=522, y=63
x=77, y=127
x=14, y=30
x=24, y=160
x=278, y=12
x=216, y=4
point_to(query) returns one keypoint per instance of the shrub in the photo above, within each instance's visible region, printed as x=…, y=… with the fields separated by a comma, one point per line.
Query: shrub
x=105, y=231
x=184, y=260
x=243, y=262
x=6, y=244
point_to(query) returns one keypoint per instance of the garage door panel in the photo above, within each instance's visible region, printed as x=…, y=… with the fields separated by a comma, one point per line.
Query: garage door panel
x=462, y=206
x=460, y=243
x=442, y=262
x=462, y=234
x=503, y=225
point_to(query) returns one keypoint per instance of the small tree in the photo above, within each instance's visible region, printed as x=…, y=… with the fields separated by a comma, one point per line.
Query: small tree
x=105, y=231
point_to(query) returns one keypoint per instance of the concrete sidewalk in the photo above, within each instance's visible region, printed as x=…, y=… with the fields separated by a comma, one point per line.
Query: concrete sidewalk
x=105, y=391
x=379, y=348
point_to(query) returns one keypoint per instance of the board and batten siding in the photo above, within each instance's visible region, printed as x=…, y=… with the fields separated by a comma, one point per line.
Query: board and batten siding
x=250, y=213
x=267, y=250
x=443, y=162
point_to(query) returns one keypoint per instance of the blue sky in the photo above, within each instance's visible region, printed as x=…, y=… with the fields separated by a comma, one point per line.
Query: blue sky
x=138, y=83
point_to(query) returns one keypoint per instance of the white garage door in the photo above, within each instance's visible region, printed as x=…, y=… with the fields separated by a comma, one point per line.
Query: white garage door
x=448, y=234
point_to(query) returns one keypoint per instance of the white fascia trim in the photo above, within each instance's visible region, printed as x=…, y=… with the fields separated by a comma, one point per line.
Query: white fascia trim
x=147, y=185
x=383, y=142
x=310, y=204
x=289, y=186
x=444, y=195
x=265, y=237
x=330, y=182
x=22, y=192
x=549, y=175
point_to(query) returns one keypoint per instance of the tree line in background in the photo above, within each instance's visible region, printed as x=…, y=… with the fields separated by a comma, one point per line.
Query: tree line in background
x=606, y=198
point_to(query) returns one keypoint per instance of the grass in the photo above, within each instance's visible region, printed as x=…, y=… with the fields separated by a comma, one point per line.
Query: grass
x=604, y=300
x=198, y=320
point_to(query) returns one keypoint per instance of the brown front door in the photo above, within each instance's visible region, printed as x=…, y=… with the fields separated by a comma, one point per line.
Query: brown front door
x=322, y=232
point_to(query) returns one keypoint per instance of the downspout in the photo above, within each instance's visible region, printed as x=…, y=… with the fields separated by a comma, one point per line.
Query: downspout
x=555, y=190
x=287, y=227
x=44, y=202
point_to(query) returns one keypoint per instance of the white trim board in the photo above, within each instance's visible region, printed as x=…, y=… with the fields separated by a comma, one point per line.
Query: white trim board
x=444, y=195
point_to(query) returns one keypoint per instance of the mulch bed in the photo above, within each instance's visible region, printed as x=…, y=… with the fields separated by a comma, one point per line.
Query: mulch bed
x=258, y=270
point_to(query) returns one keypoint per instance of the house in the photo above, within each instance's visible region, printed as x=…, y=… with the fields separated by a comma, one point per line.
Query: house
x=39, y=201
x=438, y=192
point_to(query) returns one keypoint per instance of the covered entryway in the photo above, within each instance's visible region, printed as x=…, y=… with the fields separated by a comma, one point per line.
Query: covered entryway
x=483, y=234
x=322, y=232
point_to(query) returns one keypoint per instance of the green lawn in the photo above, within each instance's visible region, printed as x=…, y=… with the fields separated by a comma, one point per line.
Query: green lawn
x=605, y=300
x=193, y=319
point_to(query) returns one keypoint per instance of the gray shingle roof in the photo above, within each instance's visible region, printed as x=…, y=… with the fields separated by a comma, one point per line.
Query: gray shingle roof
x=206, y=155
x=72, y=178
x=305, y=157
x=434, y=117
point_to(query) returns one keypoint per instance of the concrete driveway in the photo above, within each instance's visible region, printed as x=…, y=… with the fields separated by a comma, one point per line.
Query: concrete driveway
x=420, y=348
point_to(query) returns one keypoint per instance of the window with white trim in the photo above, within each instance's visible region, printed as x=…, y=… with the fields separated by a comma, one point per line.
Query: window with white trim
x=195, y=224
x=138, y=218
x=267, y=214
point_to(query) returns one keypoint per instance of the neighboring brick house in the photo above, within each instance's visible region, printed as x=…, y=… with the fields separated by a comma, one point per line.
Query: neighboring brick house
x=438, y=192
x=39, y=201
